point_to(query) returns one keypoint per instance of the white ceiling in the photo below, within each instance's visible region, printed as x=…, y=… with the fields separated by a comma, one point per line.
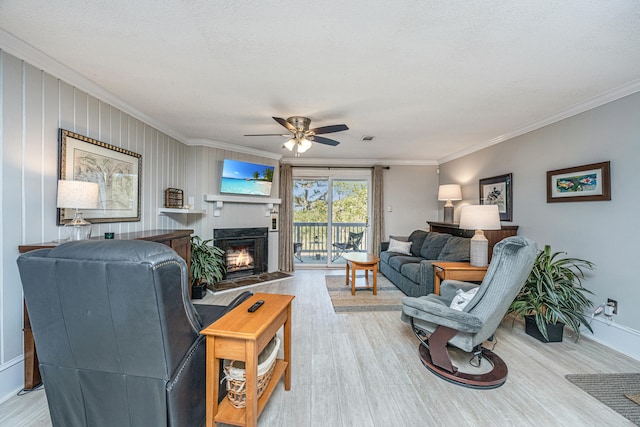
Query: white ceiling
x=431, y=80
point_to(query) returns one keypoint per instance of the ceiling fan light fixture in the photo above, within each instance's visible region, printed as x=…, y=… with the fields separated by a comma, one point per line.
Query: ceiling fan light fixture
x=305, y=144
x=290, y=144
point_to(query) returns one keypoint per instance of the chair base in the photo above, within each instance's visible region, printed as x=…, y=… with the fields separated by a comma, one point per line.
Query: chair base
x=492, y=379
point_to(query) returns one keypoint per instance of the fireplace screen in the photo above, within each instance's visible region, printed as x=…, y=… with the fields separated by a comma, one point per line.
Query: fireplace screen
x=239, y=258
x=245, y=250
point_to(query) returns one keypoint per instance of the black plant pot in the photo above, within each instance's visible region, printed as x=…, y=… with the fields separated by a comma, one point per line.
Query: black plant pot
x=198, y=291
x=554, y=332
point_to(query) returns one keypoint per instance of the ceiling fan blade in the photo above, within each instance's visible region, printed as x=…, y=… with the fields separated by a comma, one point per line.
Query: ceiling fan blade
x=268, y=134
x=329, y=129
x=323, y=140
x=285, y=123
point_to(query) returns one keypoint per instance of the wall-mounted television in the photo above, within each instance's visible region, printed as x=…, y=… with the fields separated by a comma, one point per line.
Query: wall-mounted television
x=246, y=178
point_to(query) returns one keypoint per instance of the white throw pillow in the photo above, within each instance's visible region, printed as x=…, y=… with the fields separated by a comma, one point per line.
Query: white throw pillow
x=399, y=247
x=462, y=298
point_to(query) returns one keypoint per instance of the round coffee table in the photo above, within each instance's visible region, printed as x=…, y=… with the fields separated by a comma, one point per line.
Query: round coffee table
x=362, y=261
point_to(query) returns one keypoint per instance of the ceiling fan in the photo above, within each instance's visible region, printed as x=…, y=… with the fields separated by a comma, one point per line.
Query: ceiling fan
x=301, y=136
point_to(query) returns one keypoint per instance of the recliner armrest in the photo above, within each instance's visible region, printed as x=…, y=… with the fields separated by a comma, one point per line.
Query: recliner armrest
x=438, y=313
x=448, y=288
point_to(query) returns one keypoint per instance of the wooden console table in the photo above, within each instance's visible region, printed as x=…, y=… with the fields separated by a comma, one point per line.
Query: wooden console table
x=493, y=236
x=445, y=270
x=241, y=336
x=178, y=240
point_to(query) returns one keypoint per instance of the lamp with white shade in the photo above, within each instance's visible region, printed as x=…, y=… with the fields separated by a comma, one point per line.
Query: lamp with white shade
x=449, y=192
x=77, y=195
x=479, y=218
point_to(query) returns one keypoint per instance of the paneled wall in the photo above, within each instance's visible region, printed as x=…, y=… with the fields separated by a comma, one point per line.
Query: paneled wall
x=33, y=106
x=205, y=172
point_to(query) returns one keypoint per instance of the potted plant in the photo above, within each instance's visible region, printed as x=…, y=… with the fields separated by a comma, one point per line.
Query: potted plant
x=207, y=265
x=553, y=296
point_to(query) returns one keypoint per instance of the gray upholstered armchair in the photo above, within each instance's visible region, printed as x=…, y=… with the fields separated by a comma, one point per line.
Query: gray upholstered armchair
x=437, y=324
x=117, y=336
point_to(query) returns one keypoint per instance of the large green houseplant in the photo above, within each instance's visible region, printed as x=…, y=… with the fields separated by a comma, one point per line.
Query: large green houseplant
x=553, y=293
x=207, y=263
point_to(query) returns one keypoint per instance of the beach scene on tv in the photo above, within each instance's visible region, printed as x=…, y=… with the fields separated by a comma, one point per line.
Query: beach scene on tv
x=246, y=178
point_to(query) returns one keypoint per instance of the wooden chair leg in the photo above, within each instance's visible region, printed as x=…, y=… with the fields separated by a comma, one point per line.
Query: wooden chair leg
x=438, y=347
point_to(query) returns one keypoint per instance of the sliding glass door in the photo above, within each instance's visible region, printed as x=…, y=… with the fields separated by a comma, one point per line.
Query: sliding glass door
x=330, y=215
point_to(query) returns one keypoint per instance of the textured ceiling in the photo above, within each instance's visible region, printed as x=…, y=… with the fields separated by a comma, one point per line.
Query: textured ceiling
x=428, y=79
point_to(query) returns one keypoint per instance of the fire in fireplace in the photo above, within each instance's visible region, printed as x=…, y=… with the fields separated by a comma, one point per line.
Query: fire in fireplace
x=246, y=250
x=239, y=258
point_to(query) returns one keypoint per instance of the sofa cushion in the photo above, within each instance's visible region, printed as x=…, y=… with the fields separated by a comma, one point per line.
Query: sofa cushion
x=397, y=262
x=386, y=256
x=417, y=239
x=399, y=247
x=456, y=249
x=433, y=244
x=411, y=271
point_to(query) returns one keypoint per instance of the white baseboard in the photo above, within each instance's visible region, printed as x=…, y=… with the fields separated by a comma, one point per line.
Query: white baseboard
x=11, y=378
x=619, y=337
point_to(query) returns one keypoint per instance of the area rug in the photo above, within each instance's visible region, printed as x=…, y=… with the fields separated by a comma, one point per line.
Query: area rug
x=255, y=279
x=389, y=298
x=612, y=390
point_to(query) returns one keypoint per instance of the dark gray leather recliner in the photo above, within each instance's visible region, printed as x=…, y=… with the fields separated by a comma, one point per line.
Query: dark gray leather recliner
x=117, y=336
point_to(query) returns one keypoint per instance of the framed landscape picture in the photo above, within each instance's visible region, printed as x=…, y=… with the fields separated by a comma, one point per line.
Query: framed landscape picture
x=115, y=170
x=588, y=183
x=497, y=191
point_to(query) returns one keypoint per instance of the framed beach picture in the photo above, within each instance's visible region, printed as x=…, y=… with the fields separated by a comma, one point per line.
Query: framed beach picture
x=588, y=183
x=115, y=170
x=497, y=191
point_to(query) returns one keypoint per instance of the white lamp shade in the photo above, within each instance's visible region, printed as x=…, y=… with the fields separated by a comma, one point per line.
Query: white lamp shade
x=480, y=217
x=449, y=192
x=77, y=194
x=290, y=144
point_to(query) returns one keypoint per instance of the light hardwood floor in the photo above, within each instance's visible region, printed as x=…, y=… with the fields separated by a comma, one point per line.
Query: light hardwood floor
x=362, y=369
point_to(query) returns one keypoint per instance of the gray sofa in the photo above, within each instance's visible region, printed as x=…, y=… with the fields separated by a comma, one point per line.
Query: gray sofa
x=413, y=274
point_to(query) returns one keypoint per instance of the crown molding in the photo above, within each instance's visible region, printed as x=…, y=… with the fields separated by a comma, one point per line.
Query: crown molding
x=316, y=161
x=18, y=48
x=230, y=147
x=575, y=109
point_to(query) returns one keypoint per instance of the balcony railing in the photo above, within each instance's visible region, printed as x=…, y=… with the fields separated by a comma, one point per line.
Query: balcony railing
x=311, y=238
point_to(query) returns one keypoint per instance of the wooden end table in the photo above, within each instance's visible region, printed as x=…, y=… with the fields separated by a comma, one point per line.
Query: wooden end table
x=362, y=261
x=444, y=270
x=240, y=335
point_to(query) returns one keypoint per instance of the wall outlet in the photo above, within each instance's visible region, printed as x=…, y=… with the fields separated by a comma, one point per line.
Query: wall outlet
x=613, y=304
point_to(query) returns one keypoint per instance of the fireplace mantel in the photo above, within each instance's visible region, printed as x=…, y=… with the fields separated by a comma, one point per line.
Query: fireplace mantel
x=220, y=199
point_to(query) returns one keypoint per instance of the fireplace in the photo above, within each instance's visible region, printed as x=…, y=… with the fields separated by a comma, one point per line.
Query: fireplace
x=245, y=250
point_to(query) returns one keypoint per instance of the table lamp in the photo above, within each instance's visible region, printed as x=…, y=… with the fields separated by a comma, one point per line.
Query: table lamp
x=479, y=218
x=449, y=192
x=77, y=195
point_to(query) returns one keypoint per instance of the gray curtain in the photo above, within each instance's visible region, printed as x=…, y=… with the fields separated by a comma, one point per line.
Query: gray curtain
x=285, y=244
x=377, y=209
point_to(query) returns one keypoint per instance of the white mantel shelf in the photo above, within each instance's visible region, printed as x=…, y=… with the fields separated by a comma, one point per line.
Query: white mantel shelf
x=220, y=199
x=164, y=211
x=240, y=199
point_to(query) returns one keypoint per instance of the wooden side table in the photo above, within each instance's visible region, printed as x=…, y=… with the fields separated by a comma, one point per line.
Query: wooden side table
x=444, y=270
x=240, y=335
x=362, y=261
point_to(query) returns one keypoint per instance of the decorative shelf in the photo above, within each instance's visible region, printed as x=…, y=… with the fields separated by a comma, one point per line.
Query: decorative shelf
x=165, y=211
x=220, y=199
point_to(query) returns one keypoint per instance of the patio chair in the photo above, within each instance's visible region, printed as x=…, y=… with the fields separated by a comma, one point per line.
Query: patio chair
x=297, y=251
x=352, y=244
